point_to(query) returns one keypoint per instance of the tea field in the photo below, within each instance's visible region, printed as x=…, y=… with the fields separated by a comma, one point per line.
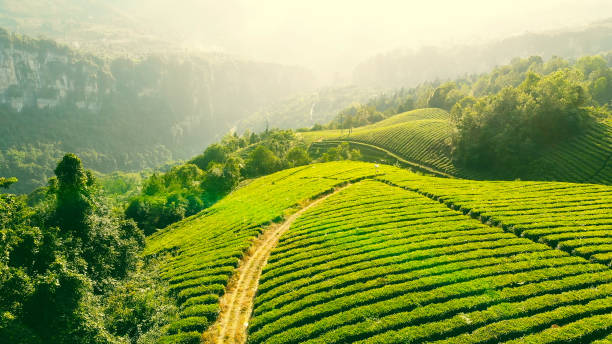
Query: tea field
x=201, y=252
x=399, y=257
x=422, y=138
x=381, y=264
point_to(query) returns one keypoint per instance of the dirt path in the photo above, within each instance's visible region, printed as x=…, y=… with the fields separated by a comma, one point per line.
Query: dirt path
x=237, y=303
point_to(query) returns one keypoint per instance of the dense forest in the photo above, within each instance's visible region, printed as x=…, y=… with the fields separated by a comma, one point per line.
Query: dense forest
x=71, y=269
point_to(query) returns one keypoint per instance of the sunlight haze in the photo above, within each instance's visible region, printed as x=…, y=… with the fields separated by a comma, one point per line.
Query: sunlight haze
x=333, y=36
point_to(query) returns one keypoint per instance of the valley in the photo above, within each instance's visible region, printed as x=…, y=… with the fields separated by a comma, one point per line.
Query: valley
x=305, y=172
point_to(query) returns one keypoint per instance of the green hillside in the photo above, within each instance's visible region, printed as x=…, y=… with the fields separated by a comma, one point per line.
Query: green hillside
x=422, y=138
x=236, y=173
x=400, y=257
x=375, y=264
x=205, y=249
x=587, y=158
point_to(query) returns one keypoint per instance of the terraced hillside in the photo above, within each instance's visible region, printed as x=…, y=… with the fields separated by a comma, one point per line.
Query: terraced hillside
x=400, y=257
x=420, y=139
x=378, y=264
x=204, y=250
x=576, y=218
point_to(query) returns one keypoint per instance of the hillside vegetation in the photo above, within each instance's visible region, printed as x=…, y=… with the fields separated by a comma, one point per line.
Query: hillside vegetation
x=356, y=265
x=378, y=264
x=231, y=202
x=419, y=136
x=71, y=269
x=407, y=68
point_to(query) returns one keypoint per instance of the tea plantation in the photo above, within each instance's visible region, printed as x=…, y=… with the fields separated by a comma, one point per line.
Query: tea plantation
x=203, y=251
x=400, y=257
x=422, y=138
x=379, y=264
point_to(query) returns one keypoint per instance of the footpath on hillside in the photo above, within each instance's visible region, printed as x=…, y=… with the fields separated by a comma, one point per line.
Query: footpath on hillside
x=237, y=302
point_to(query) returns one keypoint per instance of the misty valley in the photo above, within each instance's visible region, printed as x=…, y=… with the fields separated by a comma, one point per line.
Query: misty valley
x=305, y=172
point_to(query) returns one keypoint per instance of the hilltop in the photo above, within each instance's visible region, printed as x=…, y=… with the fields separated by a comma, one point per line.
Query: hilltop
x=410, y=67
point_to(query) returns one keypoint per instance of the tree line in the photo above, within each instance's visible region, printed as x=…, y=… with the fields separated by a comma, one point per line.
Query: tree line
x=188, y=188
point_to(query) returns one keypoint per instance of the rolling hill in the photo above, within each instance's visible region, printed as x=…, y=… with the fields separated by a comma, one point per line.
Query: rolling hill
x=387, y=255
x=420, y=139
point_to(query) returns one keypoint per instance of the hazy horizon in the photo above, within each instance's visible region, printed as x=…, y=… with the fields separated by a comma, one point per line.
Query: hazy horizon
x=332, y=38
x=329, y=38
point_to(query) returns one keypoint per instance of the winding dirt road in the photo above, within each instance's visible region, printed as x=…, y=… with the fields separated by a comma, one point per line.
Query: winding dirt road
x=237, y=302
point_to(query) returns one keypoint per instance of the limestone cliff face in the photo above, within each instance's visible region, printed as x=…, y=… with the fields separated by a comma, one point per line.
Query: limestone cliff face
x=46, y=77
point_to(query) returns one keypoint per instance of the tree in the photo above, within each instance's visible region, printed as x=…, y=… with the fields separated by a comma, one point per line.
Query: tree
x=297, y=156
x=221, y=179
x=73, y=195
x=505, y=131
x=53, y=269
x=342, y=151
x=445, y=96
x=183, y=176
x=262, y=161
x=6, y=182
x=213, y=153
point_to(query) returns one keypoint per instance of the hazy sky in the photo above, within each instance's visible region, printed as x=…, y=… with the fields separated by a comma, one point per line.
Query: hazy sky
x=335, y=35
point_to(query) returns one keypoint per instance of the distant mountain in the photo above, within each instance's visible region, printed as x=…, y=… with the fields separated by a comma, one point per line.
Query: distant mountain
x=409, y=67
x=122, y=113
